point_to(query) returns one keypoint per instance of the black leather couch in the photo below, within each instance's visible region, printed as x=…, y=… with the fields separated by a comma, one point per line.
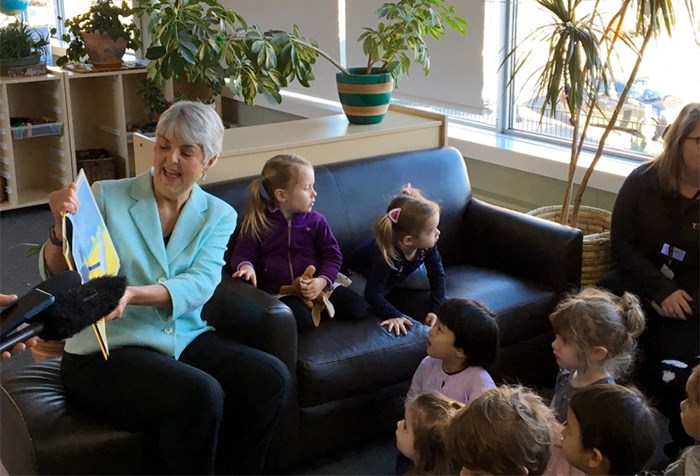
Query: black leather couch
x=349, y=377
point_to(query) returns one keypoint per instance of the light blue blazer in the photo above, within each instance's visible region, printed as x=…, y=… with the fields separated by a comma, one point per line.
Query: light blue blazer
x=189, y=266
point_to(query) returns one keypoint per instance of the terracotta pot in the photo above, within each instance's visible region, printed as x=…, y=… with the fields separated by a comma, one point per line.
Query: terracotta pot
x=104, y=52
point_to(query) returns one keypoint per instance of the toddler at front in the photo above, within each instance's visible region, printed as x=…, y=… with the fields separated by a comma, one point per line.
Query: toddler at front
x=507, y=430
x=281, y=235
x=595, y=341
x=461, y=345
x=689, y=462
x=402, y=254
x=610, y=429
x=420, y=436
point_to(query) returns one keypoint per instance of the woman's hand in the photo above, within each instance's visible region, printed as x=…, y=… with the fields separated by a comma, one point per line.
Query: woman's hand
x=246, y=273
x=430, y=319
x=397, y=325
x=311, y=288
x=6, y=300
x=675, y=306
x=63, y=201
x=123, y=302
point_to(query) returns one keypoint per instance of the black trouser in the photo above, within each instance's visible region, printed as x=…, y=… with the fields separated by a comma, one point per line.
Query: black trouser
x=214, y=410
x=348, y=305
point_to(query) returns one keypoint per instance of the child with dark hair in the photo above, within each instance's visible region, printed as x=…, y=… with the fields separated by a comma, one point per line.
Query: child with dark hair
x=420, y=436
x=461, y=345
x=689, y=462
x=610, y=429
x=507, y=430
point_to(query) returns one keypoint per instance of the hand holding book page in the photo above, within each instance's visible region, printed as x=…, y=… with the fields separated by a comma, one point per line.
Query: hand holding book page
x=88, y=248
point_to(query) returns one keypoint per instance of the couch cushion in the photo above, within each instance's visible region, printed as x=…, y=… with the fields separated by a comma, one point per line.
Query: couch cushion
x=521, y=307
x=340, y=359
x=63, y=439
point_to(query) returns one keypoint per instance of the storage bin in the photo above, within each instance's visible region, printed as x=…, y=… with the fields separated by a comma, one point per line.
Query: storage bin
x=37, y=130
x=98, y=164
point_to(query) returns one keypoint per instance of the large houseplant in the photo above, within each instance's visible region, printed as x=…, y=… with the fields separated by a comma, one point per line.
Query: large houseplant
x=584, y=46
x=404, y=26
x=21, y=46
x=102, y=34
x=584, y=51
x=202, y=41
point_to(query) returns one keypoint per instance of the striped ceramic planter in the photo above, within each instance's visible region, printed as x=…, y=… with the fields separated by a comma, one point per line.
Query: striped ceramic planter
x=365, y=97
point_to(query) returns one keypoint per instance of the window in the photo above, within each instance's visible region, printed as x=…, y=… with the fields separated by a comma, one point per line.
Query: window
x=43, y=14
x=466, y=81
x=664, y=83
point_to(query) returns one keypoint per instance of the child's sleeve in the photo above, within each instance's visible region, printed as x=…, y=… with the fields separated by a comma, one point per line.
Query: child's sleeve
x=416, y=387
x=329, y=256
x=378, y=286
x=245, y=250
x=436, y=278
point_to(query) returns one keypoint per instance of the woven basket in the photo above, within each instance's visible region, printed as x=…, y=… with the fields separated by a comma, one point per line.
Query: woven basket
x=595, y=224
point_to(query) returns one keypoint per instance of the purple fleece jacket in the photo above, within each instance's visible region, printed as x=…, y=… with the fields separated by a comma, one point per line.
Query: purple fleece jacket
x=288, y=249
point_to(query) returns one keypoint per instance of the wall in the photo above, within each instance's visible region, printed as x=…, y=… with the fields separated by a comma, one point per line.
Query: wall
x=524, y=191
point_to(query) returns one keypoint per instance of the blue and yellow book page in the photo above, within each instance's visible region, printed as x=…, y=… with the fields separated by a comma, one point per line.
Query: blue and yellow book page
x=89, y=249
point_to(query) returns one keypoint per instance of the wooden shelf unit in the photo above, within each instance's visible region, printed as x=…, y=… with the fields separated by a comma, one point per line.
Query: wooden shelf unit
x=32, y=167
x=101, y=108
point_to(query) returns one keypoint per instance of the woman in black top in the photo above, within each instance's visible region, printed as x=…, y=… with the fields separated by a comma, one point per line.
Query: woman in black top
x=655, y=241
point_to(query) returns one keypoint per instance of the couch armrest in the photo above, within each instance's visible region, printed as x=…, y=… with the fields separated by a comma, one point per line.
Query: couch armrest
x=255, y=318
x=522, y=245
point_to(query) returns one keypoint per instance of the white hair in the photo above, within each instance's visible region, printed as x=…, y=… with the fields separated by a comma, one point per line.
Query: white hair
x=194, y=123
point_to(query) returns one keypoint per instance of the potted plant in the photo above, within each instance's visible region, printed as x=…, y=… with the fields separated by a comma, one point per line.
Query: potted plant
x=583, y=51
x=21, y=47
x=101, y=34
x=207, y=43
x=404, y=25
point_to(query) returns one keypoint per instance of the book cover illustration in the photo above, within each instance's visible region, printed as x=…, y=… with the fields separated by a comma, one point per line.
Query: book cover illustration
x=88, y=248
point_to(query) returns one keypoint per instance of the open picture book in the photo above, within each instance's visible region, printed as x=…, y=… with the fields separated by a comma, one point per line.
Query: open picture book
x=88, y=248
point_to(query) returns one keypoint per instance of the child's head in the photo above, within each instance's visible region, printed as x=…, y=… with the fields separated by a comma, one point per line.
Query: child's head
x=420, y=436
x=506, y=430
x=411, y=220
x=286, y=182
x=690, y=407
x=465, y=329
x=597, y=328
x=610, y=429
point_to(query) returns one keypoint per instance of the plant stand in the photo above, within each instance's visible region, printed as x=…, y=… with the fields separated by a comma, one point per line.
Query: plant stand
x=595, y=224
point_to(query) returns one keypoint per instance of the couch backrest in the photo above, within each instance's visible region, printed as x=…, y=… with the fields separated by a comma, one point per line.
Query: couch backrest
x=353, y=194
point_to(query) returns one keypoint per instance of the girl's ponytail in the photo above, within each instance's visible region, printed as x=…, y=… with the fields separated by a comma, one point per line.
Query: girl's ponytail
x=384, y=235
x=255, y=222
x=632, y=314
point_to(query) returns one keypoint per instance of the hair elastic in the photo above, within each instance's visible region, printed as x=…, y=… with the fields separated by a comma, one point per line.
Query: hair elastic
x=263, y=190
x=393, y=215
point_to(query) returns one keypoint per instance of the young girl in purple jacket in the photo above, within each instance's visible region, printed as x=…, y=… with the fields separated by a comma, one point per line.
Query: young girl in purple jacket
x=281, y=235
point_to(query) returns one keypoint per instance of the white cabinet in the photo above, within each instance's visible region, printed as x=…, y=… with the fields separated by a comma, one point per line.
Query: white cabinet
x=36, y=159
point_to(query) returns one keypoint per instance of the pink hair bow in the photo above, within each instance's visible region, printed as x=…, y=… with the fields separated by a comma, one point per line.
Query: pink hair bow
x=394, y=215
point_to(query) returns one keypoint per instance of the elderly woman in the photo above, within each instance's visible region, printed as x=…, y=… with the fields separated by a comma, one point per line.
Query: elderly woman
x=655, y=239
x=209, y=403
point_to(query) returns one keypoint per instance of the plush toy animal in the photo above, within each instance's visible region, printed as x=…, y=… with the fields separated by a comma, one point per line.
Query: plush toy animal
x=317, y=305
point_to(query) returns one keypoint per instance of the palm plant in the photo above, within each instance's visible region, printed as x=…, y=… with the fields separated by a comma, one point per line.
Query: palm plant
x=582, y=57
